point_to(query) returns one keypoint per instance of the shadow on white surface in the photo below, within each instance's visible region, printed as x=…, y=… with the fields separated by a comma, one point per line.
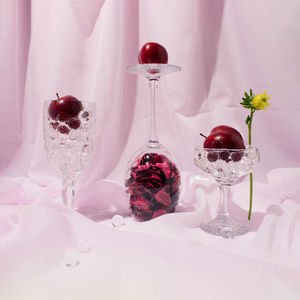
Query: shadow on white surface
x=102, y=200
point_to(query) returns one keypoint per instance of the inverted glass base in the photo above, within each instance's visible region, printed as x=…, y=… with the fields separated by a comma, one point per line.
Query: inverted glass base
x=224, y=226
x=153, y=71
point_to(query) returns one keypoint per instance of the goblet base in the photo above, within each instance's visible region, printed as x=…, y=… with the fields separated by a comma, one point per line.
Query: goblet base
x=223, y=225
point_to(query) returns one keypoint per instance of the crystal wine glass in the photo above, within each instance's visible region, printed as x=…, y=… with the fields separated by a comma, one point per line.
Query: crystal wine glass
x=153, y=178
x=226, y=166
x=69, y=142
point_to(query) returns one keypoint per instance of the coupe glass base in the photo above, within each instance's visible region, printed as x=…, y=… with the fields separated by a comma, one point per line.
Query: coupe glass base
x=223, y=225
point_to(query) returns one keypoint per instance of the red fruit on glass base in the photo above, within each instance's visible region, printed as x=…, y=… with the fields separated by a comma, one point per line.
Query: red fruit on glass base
x=153, y=53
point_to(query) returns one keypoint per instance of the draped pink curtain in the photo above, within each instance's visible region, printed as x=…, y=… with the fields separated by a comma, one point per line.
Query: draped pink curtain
x=83, y=48
x=224, y=48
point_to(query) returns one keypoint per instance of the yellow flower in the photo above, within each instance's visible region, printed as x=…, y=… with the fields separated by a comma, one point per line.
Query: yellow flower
x=260, y=101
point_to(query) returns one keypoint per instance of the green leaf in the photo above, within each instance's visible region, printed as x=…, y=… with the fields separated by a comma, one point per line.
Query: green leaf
x=247, y=100
x=246, y=104
x=248, y=120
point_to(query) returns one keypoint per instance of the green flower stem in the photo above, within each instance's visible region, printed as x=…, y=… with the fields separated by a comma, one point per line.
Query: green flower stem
x=250, y=126
x=251, y=195
x=251, y=174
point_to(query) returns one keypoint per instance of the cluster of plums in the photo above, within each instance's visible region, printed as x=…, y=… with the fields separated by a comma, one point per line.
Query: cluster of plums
x=227, y=138
x=64, y=113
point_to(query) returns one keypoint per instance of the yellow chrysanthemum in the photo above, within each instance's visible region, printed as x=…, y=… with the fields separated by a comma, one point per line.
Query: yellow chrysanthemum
x=253, y=103
x=260, y=101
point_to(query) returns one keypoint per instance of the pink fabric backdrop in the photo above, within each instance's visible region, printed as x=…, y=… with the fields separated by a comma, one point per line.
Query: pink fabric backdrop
x=82, y=48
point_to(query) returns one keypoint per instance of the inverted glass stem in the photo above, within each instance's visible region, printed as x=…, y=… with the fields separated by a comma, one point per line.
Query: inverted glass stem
x=153, y=139
x=224, y=196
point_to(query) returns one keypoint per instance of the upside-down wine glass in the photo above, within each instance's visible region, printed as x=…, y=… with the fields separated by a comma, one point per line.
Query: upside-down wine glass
x=153, y=179
x=226, y=166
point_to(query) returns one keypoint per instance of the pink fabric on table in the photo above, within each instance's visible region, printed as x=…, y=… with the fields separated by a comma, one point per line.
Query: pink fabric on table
x=83, y=48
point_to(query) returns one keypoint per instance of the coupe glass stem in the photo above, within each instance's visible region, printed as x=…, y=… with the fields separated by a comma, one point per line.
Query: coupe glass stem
x=224, y=196
x=68, y=191
x=153, y=139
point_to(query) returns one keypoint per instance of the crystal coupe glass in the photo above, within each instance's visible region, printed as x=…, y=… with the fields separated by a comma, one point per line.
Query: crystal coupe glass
x=226, y=166
x=69, y=143
x=153, y=179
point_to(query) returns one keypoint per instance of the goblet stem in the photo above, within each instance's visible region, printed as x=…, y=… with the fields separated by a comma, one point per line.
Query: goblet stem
x=68, y=191
x=153, y=139
x=223, y=224
x=224, y=196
